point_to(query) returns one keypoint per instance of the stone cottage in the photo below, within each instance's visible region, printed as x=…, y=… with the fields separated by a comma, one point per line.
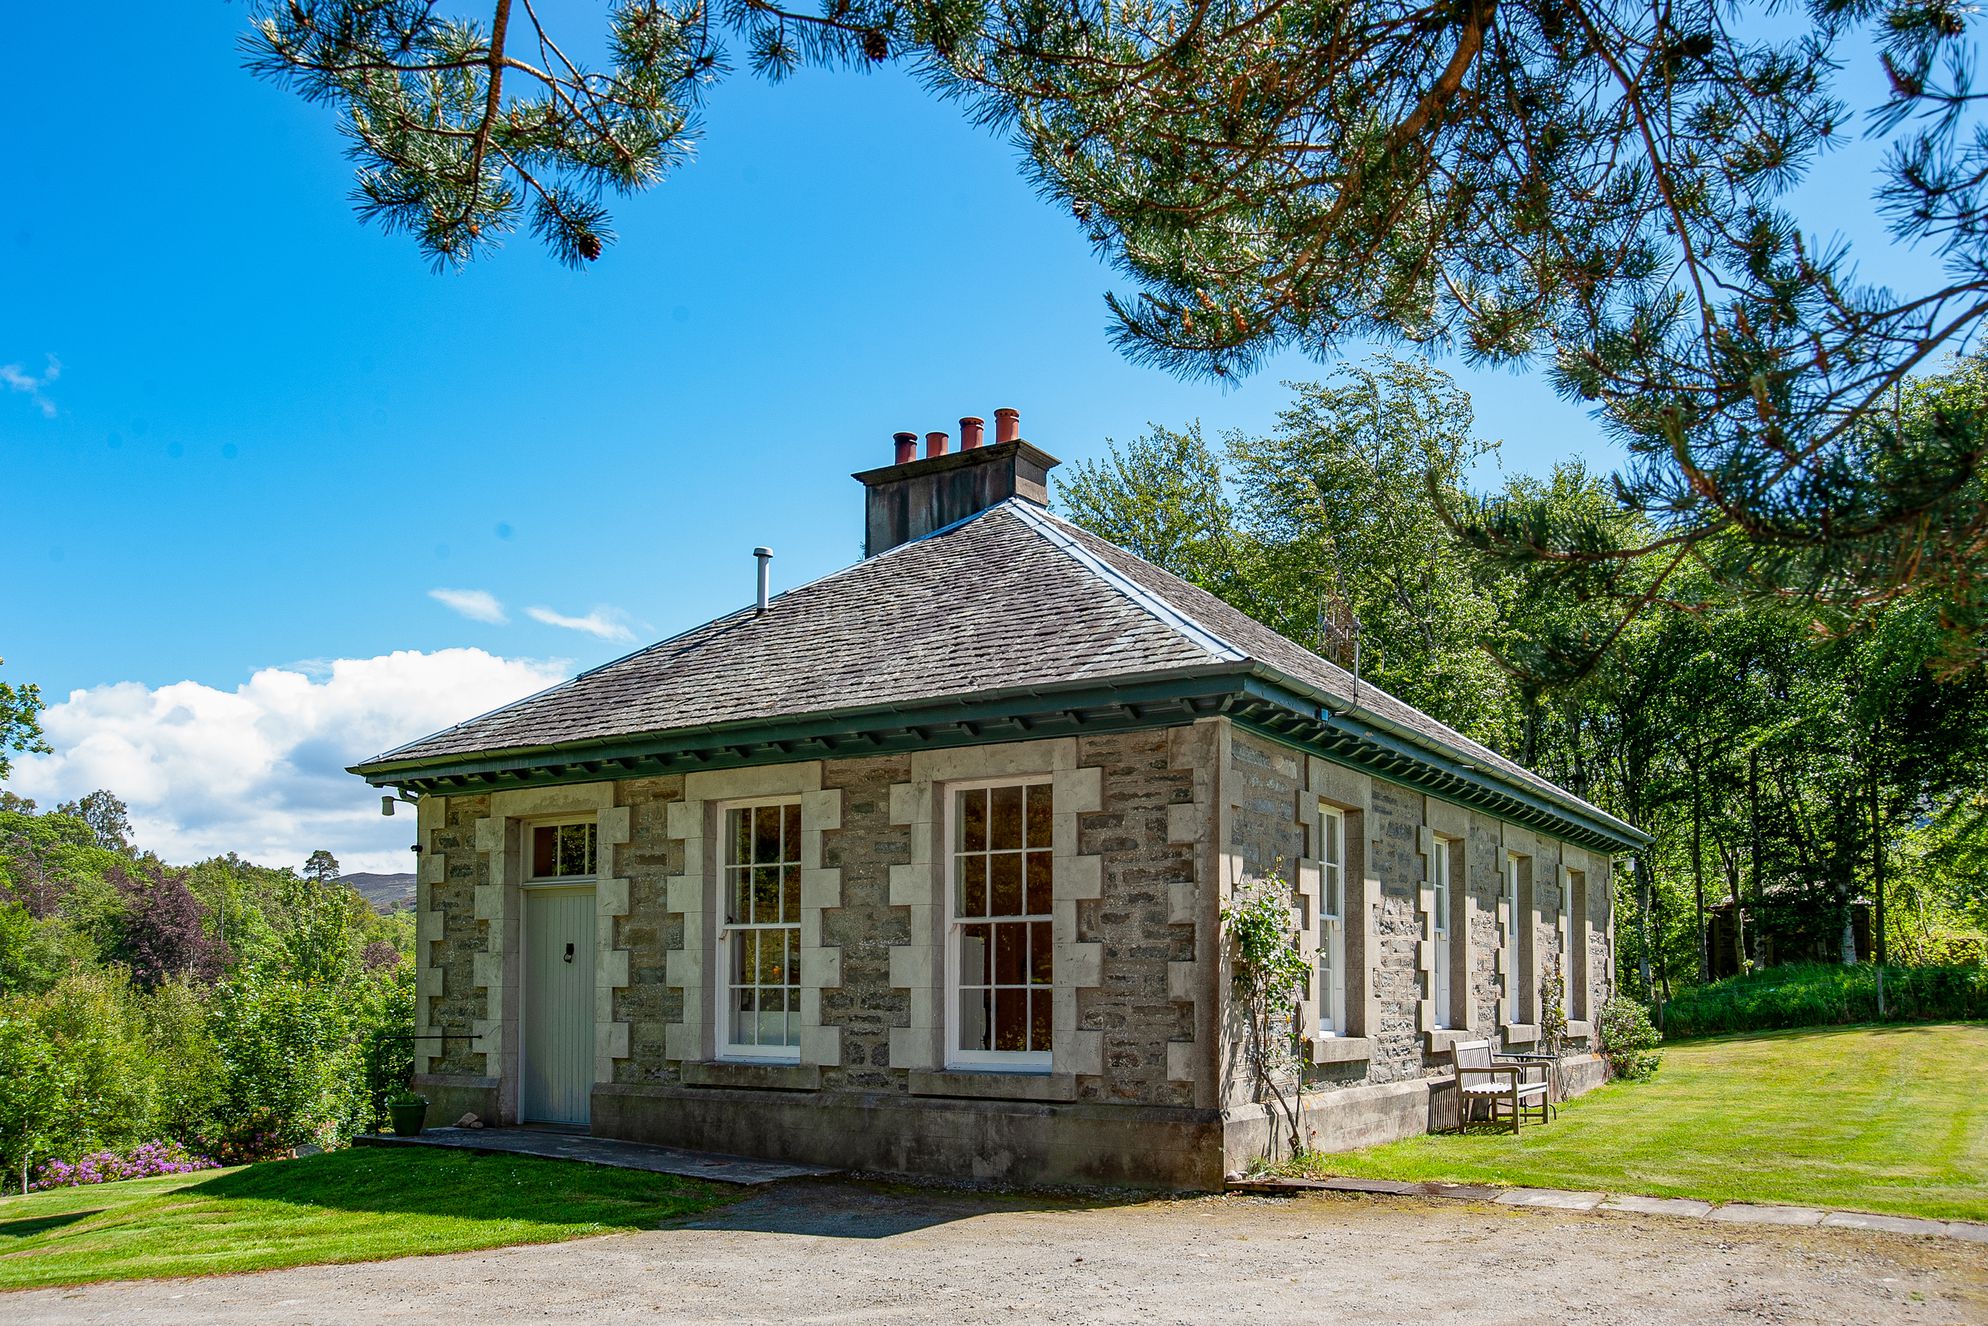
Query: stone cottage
x=920, y=868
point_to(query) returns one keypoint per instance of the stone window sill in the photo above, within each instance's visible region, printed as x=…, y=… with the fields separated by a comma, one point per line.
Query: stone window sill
x=743, y=1073
x=1580, y=1031
x=1520, y=1033
x=1341, y=1050
x=1438, y=1040
x=967, y=1085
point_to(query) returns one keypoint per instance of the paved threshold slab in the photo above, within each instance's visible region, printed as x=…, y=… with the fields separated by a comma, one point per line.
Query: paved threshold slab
x=1636, y=1204
x=1745, y=1213
x=604, y=1151
x=1559, y=1199
x=1889, y=1224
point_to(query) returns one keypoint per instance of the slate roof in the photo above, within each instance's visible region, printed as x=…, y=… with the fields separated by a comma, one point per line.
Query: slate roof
x=1013, y=597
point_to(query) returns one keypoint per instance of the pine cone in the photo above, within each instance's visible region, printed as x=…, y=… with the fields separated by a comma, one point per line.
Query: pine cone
x=876, y=46
x=589, y=245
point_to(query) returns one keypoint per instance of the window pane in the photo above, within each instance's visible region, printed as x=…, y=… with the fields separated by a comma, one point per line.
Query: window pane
x=544, y=840
x=793, y=959
x=1011, y=1019
x=973, y=820
x=740, y=836
x=1005, y=883
x=1011, y=953
x=973, y=886
x=1040, y=893
x=765, y=833
x=1042, y=953
x=1333, y=827
x=1040, y=802
x=791, y=849
x=975, y=1010
x=739, y=903
x=746, y=946
x=1041, y=1017
x=1004, y=824
x=975, y=960
x=765, y=894
x=745, y=1019
x=790, y=893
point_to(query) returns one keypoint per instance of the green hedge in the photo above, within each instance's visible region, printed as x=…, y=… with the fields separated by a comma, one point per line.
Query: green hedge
x=1816, y=994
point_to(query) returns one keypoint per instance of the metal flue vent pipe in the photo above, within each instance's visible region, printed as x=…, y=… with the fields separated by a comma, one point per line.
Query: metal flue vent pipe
x=765, y=556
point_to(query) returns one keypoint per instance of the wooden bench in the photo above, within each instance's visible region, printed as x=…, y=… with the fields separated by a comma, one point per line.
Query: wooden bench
x=1482, y=1077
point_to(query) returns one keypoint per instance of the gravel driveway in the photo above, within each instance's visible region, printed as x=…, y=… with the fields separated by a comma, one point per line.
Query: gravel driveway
x=842, y=1252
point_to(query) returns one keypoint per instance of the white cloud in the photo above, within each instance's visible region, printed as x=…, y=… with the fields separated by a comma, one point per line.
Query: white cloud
x=479, y=605
x=19, y=379
x=260, y=770
x=606, y=623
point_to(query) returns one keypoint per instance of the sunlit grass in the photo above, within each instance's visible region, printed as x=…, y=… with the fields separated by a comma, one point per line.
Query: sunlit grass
x=1889, y=1119
x=356, y=1205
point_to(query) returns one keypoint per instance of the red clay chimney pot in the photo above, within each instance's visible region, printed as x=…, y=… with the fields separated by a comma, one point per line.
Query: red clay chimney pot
x=970, y=433
x=1007, y=426
x=907, y=447
x=935, y=445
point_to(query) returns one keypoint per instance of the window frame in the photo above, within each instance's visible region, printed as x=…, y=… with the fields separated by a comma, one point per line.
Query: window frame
x=1567, y=933
x=1508, y=901
x=722, y=1020
x=1442, y=976
x=531, y=826
x=1036, y=1062
x=1332, y=920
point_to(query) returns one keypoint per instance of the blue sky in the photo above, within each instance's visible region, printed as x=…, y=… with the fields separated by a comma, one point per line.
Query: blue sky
x=271, y=432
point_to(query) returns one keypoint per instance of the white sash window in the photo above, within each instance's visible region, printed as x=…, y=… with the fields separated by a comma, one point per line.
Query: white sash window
x=1332, y=922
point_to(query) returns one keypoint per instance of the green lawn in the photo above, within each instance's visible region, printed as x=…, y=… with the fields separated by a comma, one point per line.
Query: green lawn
x=345, y=1206
x=1889, y=1119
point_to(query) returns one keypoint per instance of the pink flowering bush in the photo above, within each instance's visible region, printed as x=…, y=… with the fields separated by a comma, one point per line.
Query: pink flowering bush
x=149, y=1160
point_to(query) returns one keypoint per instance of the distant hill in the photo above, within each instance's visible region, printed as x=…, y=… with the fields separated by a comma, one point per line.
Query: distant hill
x=385, y=893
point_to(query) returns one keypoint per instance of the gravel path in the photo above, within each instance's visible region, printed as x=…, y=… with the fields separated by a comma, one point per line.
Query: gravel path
x=844, y=1252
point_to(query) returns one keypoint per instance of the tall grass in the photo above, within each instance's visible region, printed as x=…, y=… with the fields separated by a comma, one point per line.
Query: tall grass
x=1816, y=994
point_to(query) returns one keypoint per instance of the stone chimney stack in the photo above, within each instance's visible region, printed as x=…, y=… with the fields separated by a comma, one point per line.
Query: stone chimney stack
x=913, y=496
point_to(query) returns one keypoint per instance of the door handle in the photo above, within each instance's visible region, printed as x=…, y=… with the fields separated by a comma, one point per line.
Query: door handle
x=569, y=953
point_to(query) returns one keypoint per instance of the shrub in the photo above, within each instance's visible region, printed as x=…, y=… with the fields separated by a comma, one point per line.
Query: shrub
x=288, y=1066
x=144, y=1162
x=1628, y=1040
x=1818, y=994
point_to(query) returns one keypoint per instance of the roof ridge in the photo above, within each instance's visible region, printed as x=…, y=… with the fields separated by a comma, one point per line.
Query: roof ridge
x=1182, y=623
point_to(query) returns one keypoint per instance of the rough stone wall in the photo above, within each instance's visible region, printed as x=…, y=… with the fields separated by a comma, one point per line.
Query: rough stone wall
x=1548, y=897
x=1136, y=1007
x=1395, y=859
x=1131, y=1004
x=460, y=1003
x=1264, y=840
x=1131, y=1007
x=866, y=925
x=647, y=860
x=1484, y=882
x=1601, y=941
x=1262, y=789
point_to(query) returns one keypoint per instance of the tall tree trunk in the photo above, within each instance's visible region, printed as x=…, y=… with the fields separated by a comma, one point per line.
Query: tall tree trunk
x=1643, y=891
x=1877, y=870
x=1698, y=868
x=1843, y=894
x=1753, y=833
